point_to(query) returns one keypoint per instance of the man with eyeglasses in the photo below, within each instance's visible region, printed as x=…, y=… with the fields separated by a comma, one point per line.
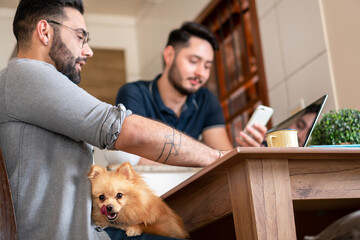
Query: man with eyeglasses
x=48, y=126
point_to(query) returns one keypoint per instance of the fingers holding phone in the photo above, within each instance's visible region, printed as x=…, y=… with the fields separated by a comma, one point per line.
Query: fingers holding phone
x=255, y=130
x=253, y=136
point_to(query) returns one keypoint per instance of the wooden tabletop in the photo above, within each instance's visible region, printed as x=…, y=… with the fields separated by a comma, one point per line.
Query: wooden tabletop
x=258, y=186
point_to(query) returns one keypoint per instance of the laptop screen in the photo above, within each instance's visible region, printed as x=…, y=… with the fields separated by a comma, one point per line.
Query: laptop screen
x=304, y=121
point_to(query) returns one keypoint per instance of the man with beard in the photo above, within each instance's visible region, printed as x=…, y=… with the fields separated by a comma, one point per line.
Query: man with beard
x=48, y=126
x=177, y=96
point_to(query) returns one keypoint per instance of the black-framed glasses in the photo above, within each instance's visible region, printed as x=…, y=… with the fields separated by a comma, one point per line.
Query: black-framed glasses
x=85, y=36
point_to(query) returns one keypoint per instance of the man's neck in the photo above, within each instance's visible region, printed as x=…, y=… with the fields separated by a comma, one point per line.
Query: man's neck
x=31, y=53
x=172, y=98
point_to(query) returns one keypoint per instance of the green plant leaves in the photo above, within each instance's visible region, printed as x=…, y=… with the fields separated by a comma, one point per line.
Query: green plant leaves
x=337, y=128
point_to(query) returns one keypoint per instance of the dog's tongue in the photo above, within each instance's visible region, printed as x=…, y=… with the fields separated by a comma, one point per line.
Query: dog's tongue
x=103, y=210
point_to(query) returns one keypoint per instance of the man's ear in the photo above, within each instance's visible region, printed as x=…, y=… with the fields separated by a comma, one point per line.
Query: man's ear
x=169, y=55
x=43, y=32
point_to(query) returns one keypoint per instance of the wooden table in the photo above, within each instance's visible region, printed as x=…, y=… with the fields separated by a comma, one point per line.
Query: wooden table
x=259, y=187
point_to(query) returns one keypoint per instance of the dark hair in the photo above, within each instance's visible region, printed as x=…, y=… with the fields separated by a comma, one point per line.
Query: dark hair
x=30, y=12
x=180, y=37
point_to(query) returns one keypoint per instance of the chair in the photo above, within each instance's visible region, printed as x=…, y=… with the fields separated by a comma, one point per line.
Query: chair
x=8, y=229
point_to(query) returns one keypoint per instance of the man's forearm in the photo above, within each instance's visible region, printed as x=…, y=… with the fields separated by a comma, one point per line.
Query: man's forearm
x=159, y=142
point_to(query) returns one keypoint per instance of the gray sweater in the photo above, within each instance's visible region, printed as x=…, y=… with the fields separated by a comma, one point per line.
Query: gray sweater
x=47, y=128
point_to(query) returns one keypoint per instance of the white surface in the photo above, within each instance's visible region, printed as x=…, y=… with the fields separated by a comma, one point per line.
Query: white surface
x=301, y=32
x=119, y=157
x=272, y=52
x=162, y=182
x=300, y=84
x=8, y=42
x=278, y=97
x=262, y=6
x=341, y=21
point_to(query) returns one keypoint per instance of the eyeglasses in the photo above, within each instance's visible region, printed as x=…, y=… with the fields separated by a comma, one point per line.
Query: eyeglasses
x=84, y=38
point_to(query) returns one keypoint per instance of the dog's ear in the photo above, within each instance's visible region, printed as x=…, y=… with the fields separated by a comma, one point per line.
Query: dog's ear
x=95, y=170
x=126, y=170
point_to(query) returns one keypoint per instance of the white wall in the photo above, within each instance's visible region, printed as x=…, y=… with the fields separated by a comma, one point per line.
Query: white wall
x=295, y=54
x=8, y=41
x=342, y=27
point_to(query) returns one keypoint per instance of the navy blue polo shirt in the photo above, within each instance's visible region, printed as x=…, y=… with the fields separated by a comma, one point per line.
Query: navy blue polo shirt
x=201, y=110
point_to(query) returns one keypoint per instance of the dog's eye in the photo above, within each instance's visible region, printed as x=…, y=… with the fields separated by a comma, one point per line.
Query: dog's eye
x=119, y=195
x=102, y=197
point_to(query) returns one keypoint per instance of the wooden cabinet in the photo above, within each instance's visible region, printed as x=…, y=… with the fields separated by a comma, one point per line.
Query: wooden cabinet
x=238, y=77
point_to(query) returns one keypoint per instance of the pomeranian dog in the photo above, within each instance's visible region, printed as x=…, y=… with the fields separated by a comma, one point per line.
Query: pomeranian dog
x=121, y=199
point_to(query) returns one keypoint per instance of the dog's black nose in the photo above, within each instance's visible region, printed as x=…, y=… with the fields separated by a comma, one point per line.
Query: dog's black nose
x=109, y=208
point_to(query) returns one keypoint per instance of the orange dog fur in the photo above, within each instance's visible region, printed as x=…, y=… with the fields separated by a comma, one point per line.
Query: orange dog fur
x=121, y=199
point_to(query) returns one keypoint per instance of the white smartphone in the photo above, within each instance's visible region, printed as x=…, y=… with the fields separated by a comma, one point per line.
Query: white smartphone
x=261, y=115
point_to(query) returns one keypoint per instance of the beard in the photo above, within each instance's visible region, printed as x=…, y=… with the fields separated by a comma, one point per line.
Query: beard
x=175, y=77
x=64, y=60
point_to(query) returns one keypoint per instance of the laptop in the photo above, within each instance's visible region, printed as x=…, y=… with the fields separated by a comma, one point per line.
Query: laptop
x=304, y=120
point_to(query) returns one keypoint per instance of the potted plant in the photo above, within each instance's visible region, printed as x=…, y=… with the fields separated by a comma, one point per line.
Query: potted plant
x=337, y=127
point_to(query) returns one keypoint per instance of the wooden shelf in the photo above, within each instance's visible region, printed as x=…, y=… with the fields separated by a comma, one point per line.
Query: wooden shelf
x=238, y=77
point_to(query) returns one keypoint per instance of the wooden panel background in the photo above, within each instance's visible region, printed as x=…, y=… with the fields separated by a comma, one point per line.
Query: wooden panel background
x=104, y=74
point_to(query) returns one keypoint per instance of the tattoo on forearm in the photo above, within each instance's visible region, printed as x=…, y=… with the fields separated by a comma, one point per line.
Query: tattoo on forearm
x=170, y=143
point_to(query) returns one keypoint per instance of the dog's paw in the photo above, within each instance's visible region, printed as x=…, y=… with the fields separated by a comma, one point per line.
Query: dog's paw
x=133, y=231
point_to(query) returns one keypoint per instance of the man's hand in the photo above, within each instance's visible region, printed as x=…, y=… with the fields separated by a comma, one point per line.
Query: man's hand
x=254, y=136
